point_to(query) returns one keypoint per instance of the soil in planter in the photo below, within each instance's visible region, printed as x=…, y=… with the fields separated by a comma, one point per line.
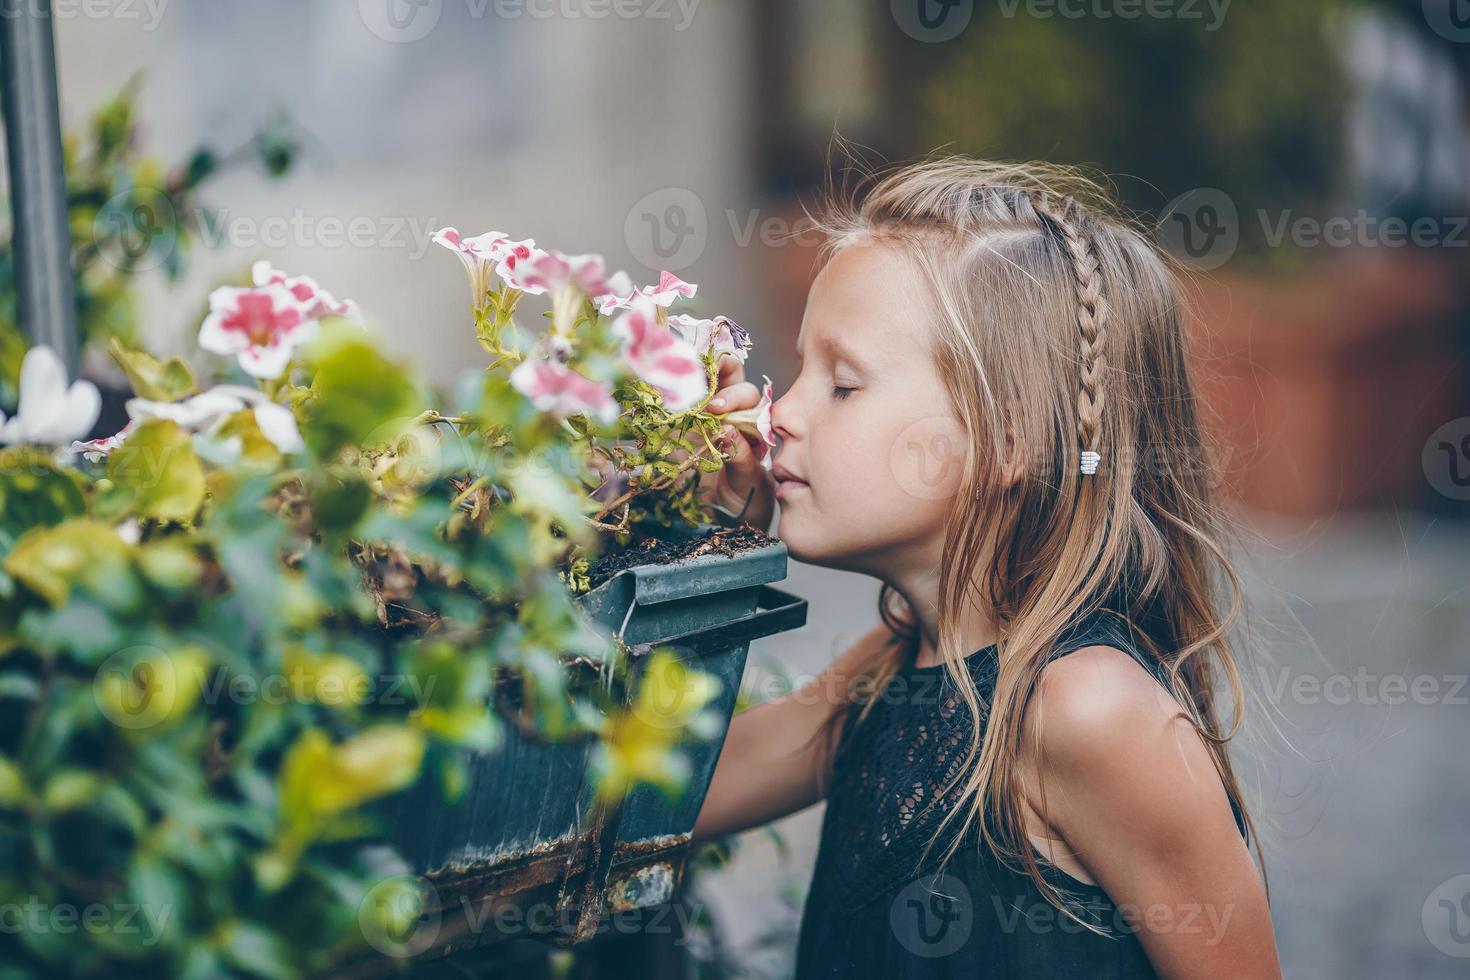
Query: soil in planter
x=724, y=541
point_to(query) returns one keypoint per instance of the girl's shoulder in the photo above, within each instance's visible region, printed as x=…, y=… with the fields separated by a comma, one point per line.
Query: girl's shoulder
x=1105, y=628
x=1095, y=692
x=1111, y=731
x=1098, y=682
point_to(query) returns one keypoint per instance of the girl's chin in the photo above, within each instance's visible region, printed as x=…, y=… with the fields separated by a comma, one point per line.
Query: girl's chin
x=806, y=542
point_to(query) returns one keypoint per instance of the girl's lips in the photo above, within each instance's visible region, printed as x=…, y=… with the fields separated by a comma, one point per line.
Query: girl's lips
x=785, y=488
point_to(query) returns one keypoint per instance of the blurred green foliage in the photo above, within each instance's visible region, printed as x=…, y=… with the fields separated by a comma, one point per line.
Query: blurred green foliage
x=218, y=657
x=1163, y=104
x=215, y=659
x=128, y=215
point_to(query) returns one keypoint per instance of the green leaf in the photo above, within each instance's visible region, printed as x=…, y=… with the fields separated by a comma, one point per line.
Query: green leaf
x=81, y=626
x=13, y=789
x=201, y=166
x=170, y=564
x=319, y=780
x=258, y=951
x=538, y=490
x=362, y=398
x=156, y=473
x=166, y=381
x=51, y=560
x=339, y=498
x=158, y=888
x=69, y=790
x=35, y=492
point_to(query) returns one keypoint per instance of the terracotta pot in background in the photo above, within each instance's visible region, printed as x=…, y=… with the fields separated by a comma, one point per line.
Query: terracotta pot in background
x=1323, y=386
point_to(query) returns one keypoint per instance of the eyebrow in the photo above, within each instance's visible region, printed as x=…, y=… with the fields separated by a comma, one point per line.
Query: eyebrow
x=838, y=348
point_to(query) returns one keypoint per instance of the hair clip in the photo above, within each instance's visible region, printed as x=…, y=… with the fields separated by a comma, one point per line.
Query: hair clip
x=1089, y=462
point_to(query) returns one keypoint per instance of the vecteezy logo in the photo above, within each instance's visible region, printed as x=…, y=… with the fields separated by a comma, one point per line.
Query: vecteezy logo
x=1446, y=459
x=400, y=21
x=137, y=229
x=140, y=687
x=1200, y=227
x=1450, y=19
x=932, y=21
x=1446, y=917
x=400, y=916
x=932, y=916
x=928, y=458
x=667, y=229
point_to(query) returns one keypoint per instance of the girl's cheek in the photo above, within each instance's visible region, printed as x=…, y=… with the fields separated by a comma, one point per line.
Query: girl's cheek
x=926, y=458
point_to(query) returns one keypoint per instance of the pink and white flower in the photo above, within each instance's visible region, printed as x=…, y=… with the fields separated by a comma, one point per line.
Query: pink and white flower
x=319, y=302
x=718, y=337
x=474, y=252
x=494, y=250
x=553, y=387
x=763, y=422
x=757, y=419
x=208, y=410
x=512, y=254
x=670, y=287
x=542, y=272
x=569, y=279
x=96, y=449
x=660, y=357
x=261, y=326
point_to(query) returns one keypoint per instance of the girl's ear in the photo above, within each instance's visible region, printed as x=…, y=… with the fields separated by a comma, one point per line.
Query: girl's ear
x=1013, y=466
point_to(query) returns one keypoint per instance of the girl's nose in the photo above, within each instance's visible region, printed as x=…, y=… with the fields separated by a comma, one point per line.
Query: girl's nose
x=783, y=416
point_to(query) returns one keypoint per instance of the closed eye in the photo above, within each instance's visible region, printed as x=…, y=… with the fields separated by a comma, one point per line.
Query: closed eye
x=840, y=392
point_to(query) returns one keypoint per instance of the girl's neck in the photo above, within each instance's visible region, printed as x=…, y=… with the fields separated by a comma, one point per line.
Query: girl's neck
x=977, y=627
x=928, y=654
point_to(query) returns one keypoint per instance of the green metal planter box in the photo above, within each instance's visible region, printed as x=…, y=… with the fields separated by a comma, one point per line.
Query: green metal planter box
x=524, y=839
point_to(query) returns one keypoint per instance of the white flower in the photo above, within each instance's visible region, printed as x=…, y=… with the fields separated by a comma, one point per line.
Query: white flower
x=50, y=412
x=719, y=336
x=208, y=410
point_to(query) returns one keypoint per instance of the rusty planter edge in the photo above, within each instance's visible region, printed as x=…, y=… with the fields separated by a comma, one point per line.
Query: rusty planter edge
x=524, y=851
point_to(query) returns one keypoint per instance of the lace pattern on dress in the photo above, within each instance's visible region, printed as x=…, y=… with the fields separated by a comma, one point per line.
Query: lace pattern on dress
x=888, y=796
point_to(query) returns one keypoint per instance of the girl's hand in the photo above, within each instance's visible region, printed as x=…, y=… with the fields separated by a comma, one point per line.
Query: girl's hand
x=742, y=478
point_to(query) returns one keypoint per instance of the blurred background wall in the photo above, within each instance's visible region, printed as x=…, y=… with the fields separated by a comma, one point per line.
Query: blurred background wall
x=1307, y=160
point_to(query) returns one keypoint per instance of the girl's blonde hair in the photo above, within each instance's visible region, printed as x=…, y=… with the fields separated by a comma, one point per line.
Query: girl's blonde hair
x=1057, y=328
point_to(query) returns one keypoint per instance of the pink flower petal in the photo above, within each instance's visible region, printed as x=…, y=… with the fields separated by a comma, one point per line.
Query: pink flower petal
x=763, y=419
x=730, y=338
x=718, y=337
x=96, y=449
x=660, y=357
x=262, y=326
x=553, y=387
x=669, y=288
x=537, y=271
x=512, y=256
x=318, y=301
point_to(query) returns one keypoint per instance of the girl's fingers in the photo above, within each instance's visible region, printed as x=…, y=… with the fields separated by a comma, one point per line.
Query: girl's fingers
x=743, y=449
x=743, y=394
x=732, y=371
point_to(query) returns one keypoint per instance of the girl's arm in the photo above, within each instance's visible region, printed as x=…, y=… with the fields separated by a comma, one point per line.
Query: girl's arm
x=1132, y=789
x=771, y=764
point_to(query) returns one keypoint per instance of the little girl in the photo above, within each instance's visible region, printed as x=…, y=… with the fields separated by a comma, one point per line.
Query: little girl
x=1025, y=765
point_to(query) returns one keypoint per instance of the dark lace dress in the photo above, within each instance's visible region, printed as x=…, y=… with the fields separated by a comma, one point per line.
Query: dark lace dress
x=872, y=911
